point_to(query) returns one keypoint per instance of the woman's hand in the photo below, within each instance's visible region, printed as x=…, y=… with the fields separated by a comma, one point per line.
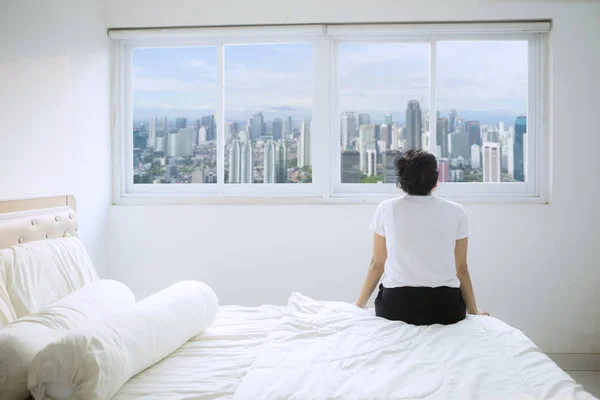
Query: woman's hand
x=479, y=312
x=359, y=305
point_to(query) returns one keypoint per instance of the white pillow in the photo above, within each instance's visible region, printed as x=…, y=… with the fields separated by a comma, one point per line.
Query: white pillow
x=95, y=361
x=21, y=340
x=39, y=273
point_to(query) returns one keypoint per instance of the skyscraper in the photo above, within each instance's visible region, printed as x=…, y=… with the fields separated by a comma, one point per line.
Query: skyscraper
x=366, y=143
x=209, y=123
x=473, y=130
x=460, y=146
x=165, y=126
x=257, y=124
x=389, y=169
x=443, y=170
x=234, y=162
x=344, y=132
x=152, y=133
x=452, y=120
x=181, y=123
x=277, y=130
x=413, y=125
x=442, y=137
x=519, y=149
x=371, y=162
x=288, y=128
x=510, y=144
x=492, y=171
x=246, y=166
x=202, y=135
x=475, y=156
x=350, y=166
x=364, y=119
x=396, y=134
x=385, y=134
x=304, y=159
x=388, y=119
x=281, y=175
x=269, y=162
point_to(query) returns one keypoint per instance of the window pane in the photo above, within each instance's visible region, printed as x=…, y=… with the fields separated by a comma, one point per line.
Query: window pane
x=384, y=97
x=482, y=102
x=174, y=103
x=268, y=103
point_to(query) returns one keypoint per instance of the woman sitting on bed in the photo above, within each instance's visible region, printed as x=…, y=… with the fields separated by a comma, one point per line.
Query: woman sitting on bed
x=421, y=246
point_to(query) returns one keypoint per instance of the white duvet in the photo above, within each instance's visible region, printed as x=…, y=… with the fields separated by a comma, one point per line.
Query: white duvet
x=325, y=350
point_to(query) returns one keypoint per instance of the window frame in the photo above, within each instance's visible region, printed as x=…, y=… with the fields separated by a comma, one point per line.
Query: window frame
x=326, y=185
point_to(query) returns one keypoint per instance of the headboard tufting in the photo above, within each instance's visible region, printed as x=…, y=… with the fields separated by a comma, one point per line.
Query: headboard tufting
x=29, y=220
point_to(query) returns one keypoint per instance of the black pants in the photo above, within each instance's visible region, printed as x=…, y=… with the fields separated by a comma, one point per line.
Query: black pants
x=421, y=305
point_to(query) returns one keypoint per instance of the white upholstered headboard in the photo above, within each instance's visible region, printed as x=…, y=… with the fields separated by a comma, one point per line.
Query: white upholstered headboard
x=40, y=218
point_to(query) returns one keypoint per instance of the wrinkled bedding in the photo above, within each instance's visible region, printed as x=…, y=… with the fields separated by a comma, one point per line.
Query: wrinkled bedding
x=325, y=350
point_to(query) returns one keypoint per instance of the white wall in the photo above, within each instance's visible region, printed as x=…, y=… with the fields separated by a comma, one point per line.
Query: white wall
x=535, y=266
x=54, y=107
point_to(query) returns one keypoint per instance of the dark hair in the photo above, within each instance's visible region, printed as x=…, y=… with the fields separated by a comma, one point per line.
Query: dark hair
x=417, y=172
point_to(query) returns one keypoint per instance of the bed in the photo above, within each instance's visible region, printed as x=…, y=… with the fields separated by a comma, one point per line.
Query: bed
x=311, y=349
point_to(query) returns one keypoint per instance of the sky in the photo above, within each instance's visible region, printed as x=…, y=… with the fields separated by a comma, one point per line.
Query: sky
x=487, y=79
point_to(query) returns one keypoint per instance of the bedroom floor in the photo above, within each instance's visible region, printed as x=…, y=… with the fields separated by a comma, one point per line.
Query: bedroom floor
x=590, y=380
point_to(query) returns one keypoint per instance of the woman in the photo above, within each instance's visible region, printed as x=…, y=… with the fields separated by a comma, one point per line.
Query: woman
x=421, y=246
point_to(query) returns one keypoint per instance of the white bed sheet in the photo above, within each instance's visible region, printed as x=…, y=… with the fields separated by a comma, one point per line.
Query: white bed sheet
x=326, y=350
x=211, y=365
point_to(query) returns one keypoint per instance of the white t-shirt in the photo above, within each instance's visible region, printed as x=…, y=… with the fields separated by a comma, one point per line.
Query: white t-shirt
x=421, y=233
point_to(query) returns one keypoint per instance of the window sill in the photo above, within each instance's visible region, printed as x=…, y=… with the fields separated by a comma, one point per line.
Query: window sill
x=352, y=199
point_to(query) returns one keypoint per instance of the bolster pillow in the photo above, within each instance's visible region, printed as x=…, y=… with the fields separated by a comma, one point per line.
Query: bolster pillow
x=21, y=340
x=93, y=362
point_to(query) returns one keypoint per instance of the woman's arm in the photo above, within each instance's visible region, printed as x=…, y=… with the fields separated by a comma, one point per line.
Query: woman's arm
x=462, y=272
x=375, y=270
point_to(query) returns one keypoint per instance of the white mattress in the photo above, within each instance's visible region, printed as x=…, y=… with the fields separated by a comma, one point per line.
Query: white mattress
x=212, y=365
x=323, y=350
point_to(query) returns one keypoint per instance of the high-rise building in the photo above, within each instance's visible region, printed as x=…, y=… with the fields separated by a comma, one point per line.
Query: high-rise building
x=304, y=158
x=388, y=120
x=209, y=123
x=344, y=132
x=452, y=120
x=246, y=165
x=475, y=156
x=139, y=141
x=288, y=128
x=234, y=162
x=460, y=146
x=202, y=135
x=510, y=155
x=152, y=133
x=229, y=134
x=443, y=170
x=442, y=137
x=366, y=143
x=371, y=162
x=385, y=134
x=269, y=162
x=413, y=125
x=473, y=130
x=350, y=166
x=352, y=129
x=181, y=123
x=277, y=130
x=281, y=175
x=364, y=119
x=492, y=170
x=396, y=135
x=165, y=126
x=519, y=149
x=257, y=126
x=180, y=144
x=389, y=168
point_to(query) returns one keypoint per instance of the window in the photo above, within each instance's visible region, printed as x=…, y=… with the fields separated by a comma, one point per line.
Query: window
x=323, y=111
